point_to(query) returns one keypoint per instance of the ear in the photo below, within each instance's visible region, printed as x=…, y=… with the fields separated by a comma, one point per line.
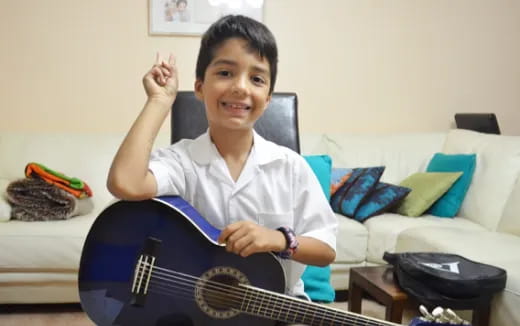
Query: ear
x=198, y=89
x=267, y=101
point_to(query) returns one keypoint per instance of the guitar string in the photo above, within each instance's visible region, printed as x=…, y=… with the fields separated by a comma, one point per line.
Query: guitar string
x=264, y=311
x=219, y=286
x=239, y=295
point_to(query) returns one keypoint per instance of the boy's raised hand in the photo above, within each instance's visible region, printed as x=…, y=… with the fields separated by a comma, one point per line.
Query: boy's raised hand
x=161, y=81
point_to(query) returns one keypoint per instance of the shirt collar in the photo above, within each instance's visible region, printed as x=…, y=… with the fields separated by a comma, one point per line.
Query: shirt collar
x=203, y=151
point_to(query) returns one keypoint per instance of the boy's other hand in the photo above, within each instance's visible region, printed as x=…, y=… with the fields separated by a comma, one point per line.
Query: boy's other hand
x=161, y=81
x=245, y=238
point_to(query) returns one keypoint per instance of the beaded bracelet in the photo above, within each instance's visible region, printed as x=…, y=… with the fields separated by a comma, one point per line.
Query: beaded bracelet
x=292, y=243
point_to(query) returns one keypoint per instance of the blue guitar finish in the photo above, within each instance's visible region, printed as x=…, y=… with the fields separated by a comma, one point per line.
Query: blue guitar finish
x=157, y=262
x=115, y=242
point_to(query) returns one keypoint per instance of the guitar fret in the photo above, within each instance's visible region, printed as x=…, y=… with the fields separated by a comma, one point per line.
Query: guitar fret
x=260, y=305
x=246, y=300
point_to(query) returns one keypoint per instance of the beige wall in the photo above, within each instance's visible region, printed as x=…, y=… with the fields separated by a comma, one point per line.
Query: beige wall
x=357, y=65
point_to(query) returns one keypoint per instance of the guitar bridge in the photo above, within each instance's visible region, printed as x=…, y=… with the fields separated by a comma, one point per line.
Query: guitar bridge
x=143, y=271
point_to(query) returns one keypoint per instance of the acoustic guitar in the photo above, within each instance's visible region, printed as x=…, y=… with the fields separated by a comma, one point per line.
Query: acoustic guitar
x=157, y=262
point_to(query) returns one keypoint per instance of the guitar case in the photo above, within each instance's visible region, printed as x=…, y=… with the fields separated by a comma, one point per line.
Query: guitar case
x=441, y=279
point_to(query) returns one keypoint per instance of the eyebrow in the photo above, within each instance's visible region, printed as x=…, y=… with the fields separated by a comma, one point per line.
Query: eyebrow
x=233, y=63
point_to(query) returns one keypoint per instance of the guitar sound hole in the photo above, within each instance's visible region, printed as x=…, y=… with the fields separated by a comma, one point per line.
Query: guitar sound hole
x=221, y=296
x=220, y=292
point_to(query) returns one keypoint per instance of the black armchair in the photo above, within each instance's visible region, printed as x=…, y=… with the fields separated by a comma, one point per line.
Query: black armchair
x=278, y=124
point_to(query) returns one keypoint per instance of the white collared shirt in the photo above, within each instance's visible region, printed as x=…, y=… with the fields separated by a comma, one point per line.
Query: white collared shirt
x=275, y=188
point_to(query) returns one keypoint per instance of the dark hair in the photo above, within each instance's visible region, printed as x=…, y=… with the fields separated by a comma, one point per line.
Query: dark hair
x=257, y=35
x=181, y=1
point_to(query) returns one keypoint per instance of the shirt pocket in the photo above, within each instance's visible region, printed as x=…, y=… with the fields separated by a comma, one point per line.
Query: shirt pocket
x=275, y=220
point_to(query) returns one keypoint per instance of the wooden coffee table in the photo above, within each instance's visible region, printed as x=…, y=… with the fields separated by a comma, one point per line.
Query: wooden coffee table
x=377, y=281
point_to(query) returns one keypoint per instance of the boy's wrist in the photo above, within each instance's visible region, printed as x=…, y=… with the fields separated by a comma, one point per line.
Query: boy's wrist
x=291, y=243
x=163, y=101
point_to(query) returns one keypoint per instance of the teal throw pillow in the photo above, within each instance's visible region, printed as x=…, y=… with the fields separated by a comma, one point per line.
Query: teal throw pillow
x=383, y=198
x=321, y=165
x=449, y=204
x=316, y=282
x=357, y=187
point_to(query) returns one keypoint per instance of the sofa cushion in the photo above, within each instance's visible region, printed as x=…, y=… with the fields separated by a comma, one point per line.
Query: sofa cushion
x=426, y=187
x=44, y=246
x=381, y=199
x=401, y=154
x=449, y=204
x=351, y=243
x=383, y=230
x=510, y=221
x=496, y=171
x=357, y=187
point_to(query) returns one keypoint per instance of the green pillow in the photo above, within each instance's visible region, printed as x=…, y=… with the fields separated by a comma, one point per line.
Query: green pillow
x=426, y=187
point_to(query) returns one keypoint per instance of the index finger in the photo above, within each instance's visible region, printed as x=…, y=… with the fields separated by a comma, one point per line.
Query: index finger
x=157, y=58
x=171, y=59
x=228, y=230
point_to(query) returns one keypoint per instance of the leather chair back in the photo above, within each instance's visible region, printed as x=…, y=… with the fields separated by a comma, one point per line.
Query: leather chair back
x=279, y=123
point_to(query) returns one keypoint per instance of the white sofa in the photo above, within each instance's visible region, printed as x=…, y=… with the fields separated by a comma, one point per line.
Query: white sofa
x=39, y=260
x=487, y=228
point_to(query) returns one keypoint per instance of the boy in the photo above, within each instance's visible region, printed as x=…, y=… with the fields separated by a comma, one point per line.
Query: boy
x=264, y=197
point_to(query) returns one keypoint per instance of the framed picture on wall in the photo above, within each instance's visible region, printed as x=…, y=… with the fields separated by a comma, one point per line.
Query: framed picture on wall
x=193, y=17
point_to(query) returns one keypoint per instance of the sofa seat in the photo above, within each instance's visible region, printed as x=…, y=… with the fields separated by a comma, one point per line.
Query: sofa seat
x=45, y=246
x=38, y=287
x=42, y=258
x=483, y=246
x=383, y=230
x=351, y=249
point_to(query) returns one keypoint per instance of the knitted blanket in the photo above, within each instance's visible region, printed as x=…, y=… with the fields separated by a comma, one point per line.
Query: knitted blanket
x=36, y=200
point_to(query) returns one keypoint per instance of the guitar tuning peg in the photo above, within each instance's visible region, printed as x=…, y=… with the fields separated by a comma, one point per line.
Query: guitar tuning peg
x=426, y=314
x=454, y=318
x=437, y=312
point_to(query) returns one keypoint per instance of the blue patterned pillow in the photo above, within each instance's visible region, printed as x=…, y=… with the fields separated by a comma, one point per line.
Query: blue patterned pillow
x=358, y=186
x=383, y=198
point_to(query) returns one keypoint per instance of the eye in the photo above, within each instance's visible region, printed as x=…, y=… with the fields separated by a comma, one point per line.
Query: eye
x=258, y=80
x=224, y=73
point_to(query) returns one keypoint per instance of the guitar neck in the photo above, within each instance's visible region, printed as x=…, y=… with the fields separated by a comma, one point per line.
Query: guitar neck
x=279, y=307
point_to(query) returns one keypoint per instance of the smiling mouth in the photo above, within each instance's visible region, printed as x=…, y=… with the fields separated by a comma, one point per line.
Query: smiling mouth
x=236, y=106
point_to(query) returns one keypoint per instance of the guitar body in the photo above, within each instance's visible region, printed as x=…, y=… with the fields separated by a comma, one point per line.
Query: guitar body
x=186, y=254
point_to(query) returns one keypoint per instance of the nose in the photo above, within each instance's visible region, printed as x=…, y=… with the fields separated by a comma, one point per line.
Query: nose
x=239, y=86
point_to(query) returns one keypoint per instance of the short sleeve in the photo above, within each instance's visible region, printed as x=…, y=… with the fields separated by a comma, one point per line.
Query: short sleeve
x=166, y=165
x=315, y=217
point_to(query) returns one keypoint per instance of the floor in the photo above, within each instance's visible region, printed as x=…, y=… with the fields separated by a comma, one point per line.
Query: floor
x=71, y=314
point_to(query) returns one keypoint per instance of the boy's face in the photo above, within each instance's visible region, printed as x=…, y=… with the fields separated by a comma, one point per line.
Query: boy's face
x=235, y=89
